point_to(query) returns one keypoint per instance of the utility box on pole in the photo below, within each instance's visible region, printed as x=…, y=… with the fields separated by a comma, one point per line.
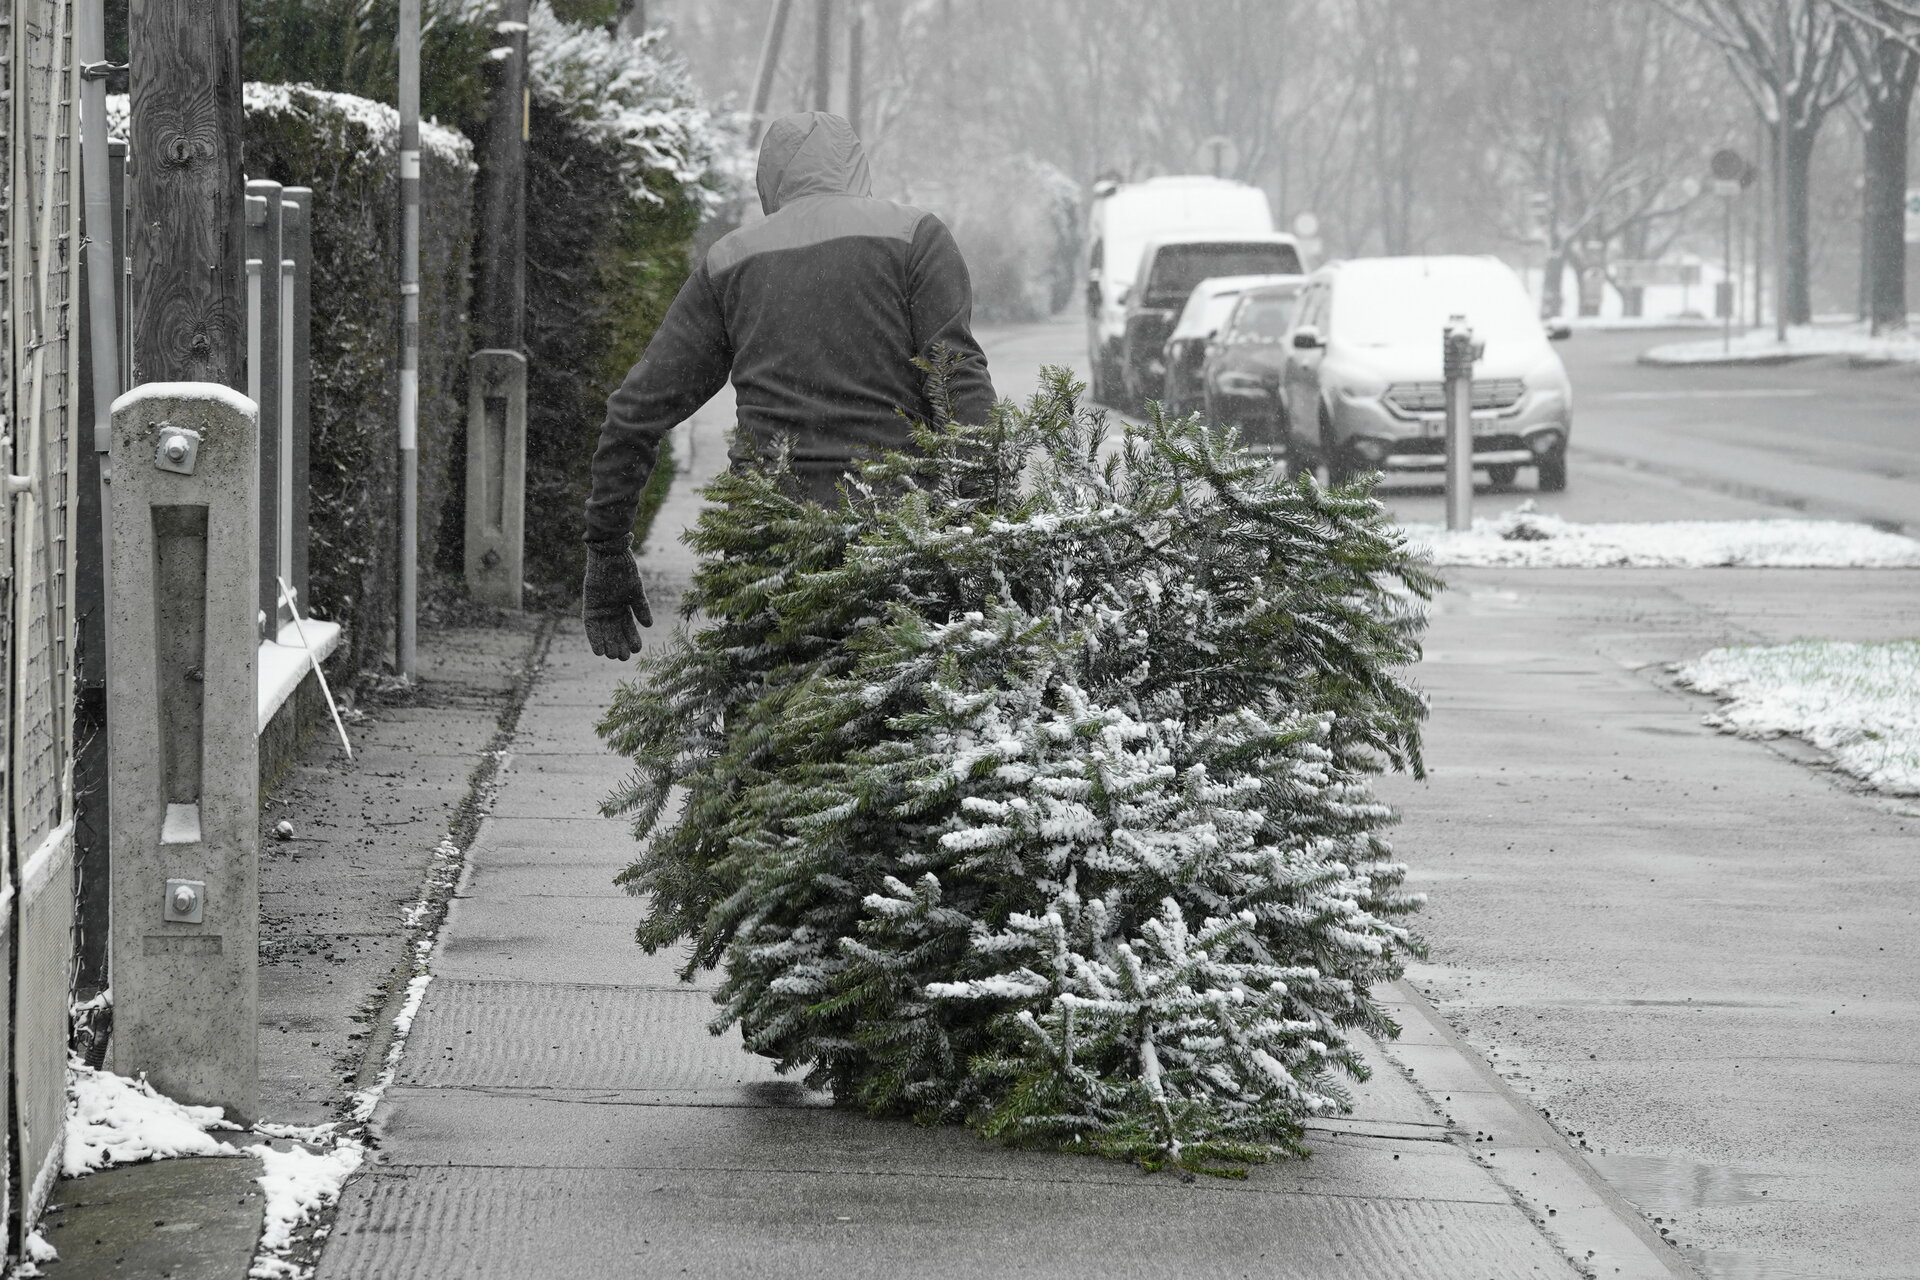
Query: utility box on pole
x=496, y=476
x=184, y=752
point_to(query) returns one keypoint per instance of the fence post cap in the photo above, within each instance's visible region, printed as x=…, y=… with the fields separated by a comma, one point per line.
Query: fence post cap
x=220, y=393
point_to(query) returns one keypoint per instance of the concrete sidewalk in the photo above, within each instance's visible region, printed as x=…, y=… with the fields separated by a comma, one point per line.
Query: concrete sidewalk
x=1695, y=953
x=562, y=1109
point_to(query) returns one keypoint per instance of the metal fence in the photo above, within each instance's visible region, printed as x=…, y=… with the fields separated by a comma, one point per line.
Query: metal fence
x=36, y=622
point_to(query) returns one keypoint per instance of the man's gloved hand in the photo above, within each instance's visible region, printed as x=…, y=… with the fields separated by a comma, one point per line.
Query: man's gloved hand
x=612, y=599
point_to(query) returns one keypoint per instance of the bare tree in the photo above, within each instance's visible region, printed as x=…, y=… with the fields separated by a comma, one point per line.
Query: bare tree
x=1788, y=56
x=1600, y=113
x=1881, y=38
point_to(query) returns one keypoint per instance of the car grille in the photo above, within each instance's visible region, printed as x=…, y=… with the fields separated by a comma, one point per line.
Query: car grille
x=1431, y=397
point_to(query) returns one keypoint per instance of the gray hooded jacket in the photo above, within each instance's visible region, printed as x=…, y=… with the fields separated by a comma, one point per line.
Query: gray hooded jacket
x=817, y=313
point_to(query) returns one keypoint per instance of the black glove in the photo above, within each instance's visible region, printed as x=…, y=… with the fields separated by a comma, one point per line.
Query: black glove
x=612, y=598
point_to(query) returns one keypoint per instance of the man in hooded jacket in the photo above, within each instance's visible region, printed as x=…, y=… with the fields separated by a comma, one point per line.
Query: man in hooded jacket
x=817, y=313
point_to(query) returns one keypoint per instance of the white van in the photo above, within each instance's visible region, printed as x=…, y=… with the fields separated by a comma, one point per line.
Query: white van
x=1124, y=219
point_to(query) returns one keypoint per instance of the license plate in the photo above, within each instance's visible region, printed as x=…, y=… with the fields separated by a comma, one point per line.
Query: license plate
x=1481, y=427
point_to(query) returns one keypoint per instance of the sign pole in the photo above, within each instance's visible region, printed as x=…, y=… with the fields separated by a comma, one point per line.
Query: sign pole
x=406, y=637
x=1727, y=311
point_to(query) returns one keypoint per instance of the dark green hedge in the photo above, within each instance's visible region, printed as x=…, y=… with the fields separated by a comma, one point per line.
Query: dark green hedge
x=602, y=268
x=302, y=137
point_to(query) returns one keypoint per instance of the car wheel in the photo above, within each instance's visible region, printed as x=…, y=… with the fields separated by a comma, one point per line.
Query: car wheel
x=1339, y=467
x=1553, y=472
x=1502, y=474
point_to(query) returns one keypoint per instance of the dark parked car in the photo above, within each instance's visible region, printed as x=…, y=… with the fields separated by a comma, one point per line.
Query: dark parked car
x=1201, y=320
x=1170, y=268
x=1241, y=376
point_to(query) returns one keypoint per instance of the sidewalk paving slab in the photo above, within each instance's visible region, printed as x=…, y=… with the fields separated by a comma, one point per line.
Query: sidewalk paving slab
x=332, y=939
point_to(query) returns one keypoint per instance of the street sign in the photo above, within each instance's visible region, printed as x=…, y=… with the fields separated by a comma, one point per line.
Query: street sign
x=1727, y=165
x=1218, y=155
x=1306, y=225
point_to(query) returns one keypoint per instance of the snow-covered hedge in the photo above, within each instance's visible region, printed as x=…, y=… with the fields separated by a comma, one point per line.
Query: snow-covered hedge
x=1041, y=804
x=632, y=94
x=346, y=148
x=624, y=160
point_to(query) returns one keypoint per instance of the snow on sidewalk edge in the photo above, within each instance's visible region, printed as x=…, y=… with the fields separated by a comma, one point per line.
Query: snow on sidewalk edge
x=1525, y=538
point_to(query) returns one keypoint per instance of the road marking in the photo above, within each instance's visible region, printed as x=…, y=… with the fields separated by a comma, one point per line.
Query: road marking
x=1732, y=393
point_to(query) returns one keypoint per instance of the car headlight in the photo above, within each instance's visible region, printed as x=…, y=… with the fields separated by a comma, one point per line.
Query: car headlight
x=1242, y=384
x=1370, y=449
x=1543, y=443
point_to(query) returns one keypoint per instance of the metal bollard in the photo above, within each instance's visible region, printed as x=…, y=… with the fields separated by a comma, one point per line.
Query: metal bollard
x=496, y=475
x=1459, y=351
x=184, y=762
x=297, y=244
x=265, y=331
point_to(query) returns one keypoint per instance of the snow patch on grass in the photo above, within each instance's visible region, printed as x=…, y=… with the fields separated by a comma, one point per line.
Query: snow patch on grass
x=1759, y=346
x=1525, y=538
x=1860, y=703
x=112, y=1120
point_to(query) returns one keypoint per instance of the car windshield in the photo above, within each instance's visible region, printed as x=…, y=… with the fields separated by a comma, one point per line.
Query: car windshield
x=1408, y=302
x=1265, y=315
x=1179, y=267
x=1204, y=311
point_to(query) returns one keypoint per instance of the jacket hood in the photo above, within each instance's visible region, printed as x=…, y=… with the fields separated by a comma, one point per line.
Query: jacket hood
x=812, y=153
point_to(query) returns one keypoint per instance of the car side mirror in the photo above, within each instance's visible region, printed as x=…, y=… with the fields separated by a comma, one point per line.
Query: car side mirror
x=1307, y=338
x=1212, y=334
x=1558, y=331
x=1126, y=296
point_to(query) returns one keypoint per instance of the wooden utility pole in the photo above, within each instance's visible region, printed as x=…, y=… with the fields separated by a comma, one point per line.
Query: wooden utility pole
x=856, y=62
x=189, y=299
x=502, y=242
x=822, y=55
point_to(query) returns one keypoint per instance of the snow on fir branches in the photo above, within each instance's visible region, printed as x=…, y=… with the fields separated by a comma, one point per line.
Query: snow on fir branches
x=1028, y=786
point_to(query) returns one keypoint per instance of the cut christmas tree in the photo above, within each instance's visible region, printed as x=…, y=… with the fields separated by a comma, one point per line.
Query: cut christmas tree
x=1027, y=786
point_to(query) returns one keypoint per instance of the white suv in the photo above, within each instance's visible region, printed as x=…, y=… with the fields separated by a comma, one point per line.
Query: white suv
x=1361, y=387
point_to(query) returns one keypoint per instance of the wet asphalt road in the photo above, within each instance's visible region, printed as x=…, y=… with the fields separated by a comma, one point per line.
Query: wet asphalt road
x=1813, y=437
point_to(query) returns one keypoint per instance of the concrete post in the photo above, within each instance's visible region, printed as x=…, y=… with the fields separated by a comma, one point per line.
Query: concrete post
x=496, y=475
x=296, y=241
x=264, y=222
x=184, y=752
